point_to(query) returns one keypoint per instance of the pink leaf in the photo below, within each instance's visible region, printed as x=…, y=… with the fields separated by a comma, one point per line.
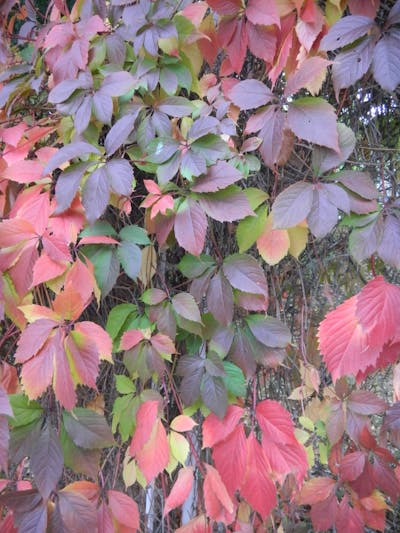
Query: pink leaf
x=190, y=227
x=181, y=489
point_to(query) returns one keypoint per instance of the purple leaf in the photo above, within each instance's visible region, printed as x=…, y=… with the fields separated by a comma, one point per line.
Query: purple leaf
x=292, y=205
x=241, y=353
x=324, y=159
x=350, y=66
x=272, y=135
x=103, y=107
x=192, y=164
x=63, y=91
x=176, y=106
x=190, y=226
x=363, y=242
x=394, y=14
x=4, y=440
x=76, y=512
x=68, y=152
x=244, y=273
x=162, y=149
x=88, y=429
x=68, y=184
x=220, y=299
x=314, y=120
x=249, y=94
x=191, y=369
x=46, y=461
x=386, y=61
x=184, y=305
x=214, y=395
x=226, y=205
x=117, y=84
x=203, y=126
x=269, y=331
x=306, y=73
x=120, y=174
x=96, y=194
x=218, y=177
x=358, y=182
x=337, y=196
x=323, y=214
x=120, y=131
x=5, y=407
x=116, y=48
x=82, y=115
x=389, y=247
x=346, y=31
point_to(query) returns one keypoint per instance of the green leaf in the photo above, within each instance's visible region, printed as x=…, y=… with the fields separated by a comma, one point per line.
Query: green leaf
x=130, y=256
x=250, y=228
x=124, y=410
x=255, y=197
x=124, y=384
x=118, y=318
x=192, y=266
x=106, y=265
x=134, y=234
x=101, y=227
x=234, y=379
x=25, y=411
x=87, y=428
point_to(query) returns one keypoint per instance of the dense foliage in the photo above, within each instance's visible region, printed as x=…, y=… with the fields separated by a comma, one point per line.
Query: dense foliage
x=200, y=245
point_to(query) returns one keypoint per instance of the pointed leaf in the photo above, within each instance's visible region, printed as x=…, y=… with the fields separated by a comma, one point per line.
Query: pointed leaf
x=180, y=490
x=68, y=152
x=46, y=461
x=88, y=429
x=249, y=94
x=190, y=227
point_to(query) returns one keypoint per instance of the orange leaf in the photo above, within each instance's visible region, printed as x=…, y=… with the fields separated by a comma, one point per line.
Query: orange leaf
x=273, y=244
x=124, y=511
x=182, y=423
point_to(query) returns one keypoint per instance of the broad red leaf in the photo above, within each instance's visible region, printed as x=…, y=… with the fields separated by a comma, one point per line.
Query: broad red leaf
x=218, y=503
x=199, y=524
x=154, y=456
x=260, y=12
x=309, y=69
x=131, y=338
x=352, y=465
x=231, y=450
x=316, y=490
x=257, y=486
x=225, y=7
x=190, y=227
x=124, y=511
x=314, y=120
x=216, y=430
x=180, y=490
x=182, y=423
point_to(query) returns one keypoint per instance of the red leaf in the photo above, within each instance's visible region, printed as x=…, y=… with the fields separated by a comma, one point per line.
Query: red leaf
x=257, y=486
x=146, y=417
x=190, y=227
x=180, y=490
x=225, y=7
x=316, y=490
x=249, y=94
x=352, y=466
x=261, y=12
x=182, y=423
x=220, y=299
x=154, y=456
x=219, y=505
x=215, y=430
x=131, y=338
x=230, y=451
x=306, y=73
x=124, y=511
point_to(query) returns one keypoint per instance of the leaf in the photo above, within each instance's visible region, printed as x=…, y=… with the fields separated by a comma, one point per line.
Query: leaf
x=191, y=369
x=234, y=379
x=124, y=510
x=120, y=131
x=249, y=229
x=180, y=490
x=272, y=124
x=75, y=511
x=273, y=244
x=227, y=205
x=352, y=336
x=314, y=120
x=244, y=273
x=323, y=214
x=184, y=305
x=386, y=62
x=220, y=299
x=182, y=423
x=324, y=159
x=216, y=430
x=259, y=12
x=24, y=411
x=269, y=331
x=316, y=490
x=218, y=177
x=68, y=152
x=130, y=256
x=96, y=194
x=218, y=503
x=176, y=106
x=358, y=182
x=120, y=175
x=46, y=461
x=88, y=429
x=308, y=70
x=292, y=205
x=213, y=394
x=249, y=94
x=117, y=83
x=346, y=31
x=190, y=226
x=257, y=487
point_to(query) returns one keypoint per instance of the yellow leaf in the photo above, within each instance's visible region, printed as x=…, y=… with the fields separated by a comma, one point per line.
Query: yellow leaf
x=149, y=265
x=298, y=236
x=179, y=446
x=129, y=473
